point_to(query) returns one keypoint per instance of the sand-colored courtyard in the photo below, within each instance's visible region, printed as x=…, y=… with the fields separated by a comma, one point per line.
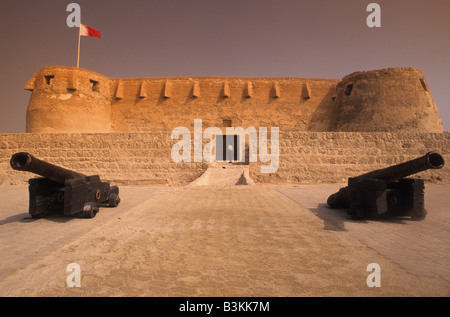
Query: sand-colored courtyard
x=223, y=241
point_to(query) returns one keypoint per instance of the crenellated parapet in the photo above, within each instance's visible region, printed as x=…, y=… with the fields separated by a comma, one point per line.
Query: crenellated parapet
x=69, y=99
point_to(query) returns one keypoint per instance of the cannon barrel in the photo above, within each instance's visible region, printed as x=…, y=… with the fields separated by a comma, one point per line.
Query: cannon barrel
x=23, y=161
x=431, y=160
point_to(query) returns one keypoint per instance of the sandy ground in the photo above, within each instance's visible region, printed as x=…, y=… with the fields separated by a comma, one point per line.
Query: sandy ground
x=223, y=241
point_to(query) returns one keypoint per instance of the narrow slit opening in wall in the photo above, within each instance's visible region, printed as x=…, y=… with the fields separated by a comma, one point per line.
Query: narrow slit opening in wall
x=348, y=89
x=48, y=79
x=94, y=85
x=424, y=84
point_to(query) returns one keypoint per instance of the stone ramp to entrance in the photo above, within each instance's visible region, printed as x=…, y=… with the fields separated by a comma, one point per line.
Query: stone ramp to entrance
x=224, y=175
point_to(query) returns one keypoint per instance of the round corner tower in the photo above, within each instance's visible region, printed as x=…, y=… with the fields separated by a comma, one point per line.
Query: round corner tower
x=68, y=99
x=392, y=99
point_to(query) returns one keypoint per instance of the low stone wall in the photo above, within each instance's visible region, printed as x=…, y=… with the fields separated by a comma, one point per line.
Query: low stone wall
x=332, y=157
x=145, y=158
x=121, y=158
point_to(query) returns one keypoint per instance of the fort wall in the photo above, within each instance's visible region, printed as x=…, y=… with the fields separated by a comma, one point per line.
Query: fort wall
x=144, y=158
x=69, y=99
x=329, y=129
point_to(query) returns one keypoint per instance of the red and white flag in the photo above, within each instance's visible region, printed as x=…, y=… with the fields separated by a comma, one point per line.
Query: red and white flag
x=88, y=31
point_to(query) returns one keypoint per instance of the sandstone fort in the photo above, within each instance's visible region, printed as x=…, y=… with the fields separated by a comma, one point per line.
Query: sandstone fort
x=329, y=129
x=68, y=99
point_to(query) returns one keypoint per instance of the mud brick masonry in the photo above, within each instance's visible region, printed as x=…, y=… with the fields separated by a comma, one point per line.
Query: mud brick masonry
x=329, y=129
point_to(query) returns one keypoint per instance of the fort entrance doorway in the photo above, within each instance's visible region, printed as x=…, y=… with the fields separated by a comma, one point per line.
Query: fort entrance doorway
x=227, y=148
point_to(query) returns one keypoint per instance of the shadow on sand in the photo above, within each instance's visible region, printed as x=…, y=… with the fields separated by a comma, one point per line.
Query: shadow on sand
x=26, y=218
x=336, y=219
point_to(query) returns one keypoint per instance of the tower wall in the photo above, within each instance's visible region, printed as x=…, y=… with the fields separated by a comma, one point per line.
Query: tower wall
x=393, y=99
x=68, y=99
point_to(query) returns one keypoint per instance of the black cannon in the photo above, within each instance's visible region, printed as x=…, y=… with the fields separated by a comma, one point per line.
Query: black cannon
x=64, y=190
x=386, y=192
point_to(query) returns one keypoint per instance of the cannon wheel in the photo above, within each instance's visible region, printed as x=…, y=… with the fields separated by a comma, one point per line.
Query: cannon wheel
x=89, y=210
x=113, y=200
x=419, y=215
x=114, y=190
x=357, y=211
x=38, y=216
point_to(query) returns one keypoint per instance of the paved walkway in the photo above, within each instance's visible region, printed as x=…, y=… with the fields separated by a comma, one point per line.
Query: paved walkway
x=224, y=175
x=223, y=241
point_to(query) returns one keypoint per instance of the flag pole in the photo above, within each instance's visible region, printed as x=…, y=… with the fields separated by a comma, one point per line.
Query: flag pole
x=79, y=36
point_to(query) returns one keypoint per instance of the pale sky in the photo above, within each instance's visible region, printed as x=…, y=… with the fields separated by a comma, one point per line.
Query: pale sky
x=249, y=38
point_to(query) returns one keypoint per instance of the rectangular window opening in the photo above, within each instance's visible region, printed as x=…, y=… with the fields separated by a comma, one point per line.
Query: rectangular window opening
x=48, y=79
x=94, y=85
x=227, y=122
